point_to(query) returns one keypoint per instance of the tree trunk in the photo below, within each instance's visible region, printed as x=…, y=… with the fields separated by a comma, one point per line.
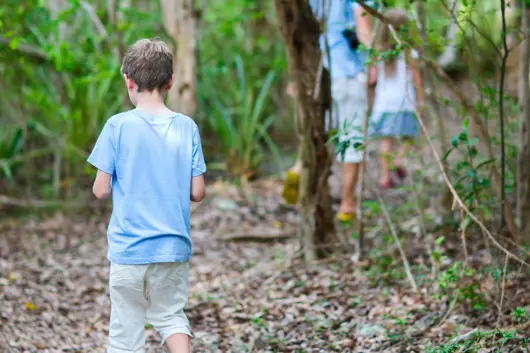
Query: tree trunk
x=301, y=33
x=523, y=168
x=180, y=22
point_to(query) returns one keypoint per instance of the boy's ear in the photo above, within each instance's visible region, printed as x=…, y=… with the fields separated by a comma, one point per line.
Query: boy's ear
x=170, y=84
x=128, y=82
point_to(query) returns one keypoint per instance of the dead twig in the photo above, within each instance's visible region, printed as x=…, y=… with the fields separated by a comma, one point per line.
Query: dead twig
x=398, y=243
x=457, y=198
x=362, y=165
x=464, y=336
x=503, y=288
x=15, y=202
x=463, y=235
x=482, y=132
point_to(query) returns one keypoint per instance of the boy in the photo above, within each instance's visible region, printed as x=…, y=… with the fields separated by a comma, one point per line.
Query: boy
x=151, y=159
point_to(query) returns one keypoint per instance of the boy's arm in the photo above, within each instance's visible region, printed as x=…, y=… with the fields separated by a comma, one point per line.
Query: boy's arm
x=103, y=157
x=198, y=188
x=102, y=185
x=198, y=168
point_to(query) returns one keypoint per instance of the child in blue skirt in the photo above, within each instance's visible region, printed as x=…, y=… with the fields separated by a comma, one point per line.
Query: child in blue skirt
x=398, y=93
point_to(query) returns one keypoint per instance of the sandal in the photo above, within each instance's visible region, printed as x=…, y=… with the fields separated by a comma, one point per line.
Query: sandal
x=389, y=184
x=346, y=218
x=401, y=172
x=290, y=188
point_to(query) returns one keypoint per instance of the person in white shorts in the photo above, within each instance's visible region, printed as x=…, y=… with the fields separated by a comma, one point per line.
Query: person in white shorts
x=151, y=159
x=347, y=26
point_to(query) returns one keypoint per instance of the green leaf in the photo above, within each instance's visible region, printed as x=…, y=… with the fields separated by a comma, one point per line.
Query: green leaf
x=473, y=152
x=482, y=164
x=13, y=43
x=474, y=141
x=454, y=141
x=440, y=240
x=446, y=155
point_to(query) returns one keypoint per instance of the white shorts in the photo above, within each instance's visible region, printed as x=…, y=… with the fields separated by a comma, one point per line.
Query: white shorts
x=349, y=111
x=154, y=293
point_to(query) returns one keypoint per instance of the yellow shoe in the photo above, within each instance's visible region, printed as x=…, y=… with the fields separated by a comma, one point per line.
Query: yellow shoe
x=346, y=218
x=290, y=188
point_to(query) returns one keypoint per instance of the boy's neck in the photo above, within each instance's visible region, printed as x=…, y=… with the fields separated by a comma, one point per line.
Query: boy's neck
x=151, y=103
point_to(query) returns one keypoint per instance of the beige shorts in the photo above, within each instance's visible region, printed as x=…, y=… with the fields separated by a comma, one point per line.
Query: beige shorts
x=154, y=293
x=349, y=111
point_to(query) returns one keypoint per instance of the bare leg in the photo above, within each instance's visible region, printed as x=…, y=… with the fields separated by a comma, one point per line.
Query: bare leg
x=350, y=172
x=178, y=343
x=402, y=151
x=297, y=167
x=385, y=151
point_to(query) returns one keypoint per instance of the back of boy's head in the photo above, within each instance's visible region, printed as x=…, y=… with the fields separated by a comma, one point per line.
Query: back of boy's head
x=149, y=63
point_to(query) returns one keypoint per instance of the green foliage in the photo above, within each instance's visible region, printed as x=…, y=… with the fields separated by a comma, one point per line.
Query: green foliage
x=458, y=284
x=65, y=92
x=238, y=119
x=11, y=141
x=519, y=315
x=61, y=82
x=483, y=339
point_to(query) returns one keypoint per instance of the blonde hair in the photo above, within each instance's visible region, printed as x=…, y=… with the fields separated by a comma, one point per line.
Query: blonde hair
x=149, y=63
x=399, y=20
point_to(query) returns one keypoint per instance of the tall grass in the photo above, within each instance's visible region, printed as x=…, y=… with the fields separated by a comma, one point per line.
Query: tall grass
x=240, y=121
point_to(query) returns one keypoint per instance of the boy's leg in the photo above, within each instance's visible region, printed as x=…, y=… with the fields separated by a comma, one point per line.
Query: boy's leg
x=178, y=343
x=168, y=294
x=127, y=316
x=385, y=151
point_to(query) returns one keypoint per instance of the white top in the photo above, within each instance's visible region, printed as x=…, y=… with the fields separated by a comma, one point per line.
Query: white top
x=391, y=91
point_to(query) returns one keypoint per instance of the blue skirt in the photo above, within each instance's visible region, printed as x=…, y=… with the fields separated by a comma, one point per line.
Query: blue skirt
x=400, y=124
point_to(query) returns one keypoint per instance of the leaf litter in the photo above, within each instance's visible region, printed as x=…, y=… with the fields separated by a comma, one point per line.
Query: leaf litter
x=244, y=295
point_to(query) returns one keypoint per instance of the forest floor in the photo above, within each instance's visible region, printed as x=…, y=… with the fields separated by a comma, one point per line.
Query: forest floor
x=249, y=291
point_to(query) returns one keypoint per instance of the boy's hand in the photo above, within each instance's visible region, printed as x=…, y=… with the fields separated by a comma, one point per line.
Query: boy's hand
x=102, y=185
x=198, y=188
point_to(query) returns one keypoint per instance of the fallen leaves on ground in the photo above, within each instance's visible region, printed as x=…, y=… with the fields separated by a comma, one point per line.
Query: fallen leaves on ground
x=244, y=296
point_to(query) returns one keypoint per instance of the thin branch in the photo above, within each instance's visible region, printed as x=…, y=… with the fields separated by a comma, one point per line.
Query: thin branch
x=457, y=198
x=482, y=132
x=503, y=287
x=362, y=172
x=501, y=107
x=15, y=202
x=463, y=235
x=94, y=18
x=100, y=27
x=398, y=243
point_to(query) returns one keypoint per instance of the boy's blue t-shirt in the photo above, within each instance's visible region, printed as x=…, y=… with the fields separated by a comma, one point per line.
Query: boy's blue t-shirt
x=151, y=160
